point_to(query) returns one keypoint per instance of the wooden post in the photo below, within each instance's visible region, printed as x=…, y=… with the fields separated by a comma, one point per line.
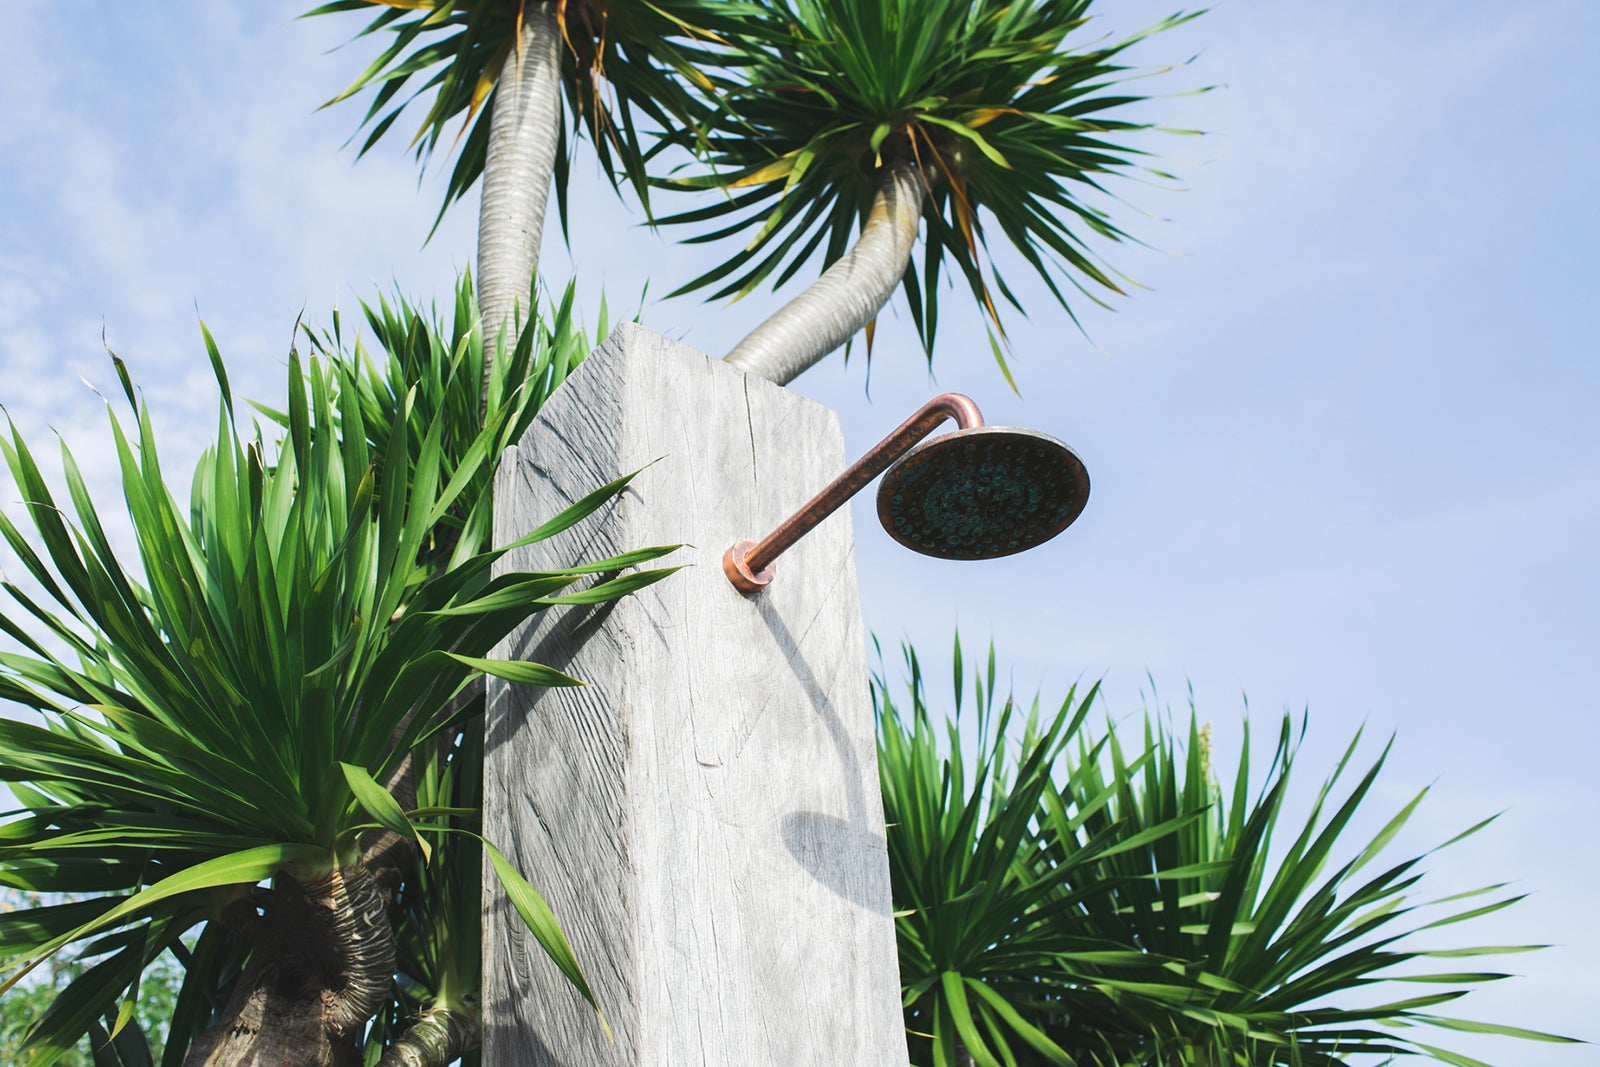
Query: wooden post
x=704, y=818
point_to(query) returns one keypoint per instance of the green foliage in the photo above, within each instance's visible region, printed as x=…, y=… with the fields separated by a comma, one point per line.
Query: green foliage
x=211, y=715
x=1062, y=902
x=158, y=993
x=622, y=63
x=991, y=957
x=26, y=1003
x=437, y=360
x=1004, y=108
x=1012, y=114
x=432, y=366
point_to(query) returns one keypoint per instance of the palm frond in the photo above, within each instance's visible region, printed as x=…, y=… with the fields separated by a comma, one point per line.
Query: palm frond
x=1008, y=111
x=628, y=67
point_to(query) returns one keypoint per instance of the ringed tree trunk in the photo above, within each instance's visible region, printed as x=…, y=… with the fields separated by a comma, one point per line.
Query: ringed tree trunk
x=849, y=294
x=321, y=963
x=524, y=128
x=437, y=1038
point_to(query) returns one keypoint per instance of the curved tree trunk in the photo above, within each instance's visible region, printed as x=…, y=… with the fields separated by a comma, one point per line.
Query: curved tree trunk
x=523, y=130
x=849, y=294
x=321, y=965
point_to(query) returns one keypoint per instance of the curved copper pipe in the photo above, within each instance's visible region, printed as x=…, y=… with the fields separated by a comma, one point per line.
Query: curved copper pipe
x=748, y=564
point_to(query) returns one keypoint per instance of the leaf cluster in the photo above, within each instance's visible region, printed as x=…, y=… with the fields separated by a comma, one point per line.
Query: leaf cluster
x=626, y=66
x=1061, y=900
x=1013, y=115
x=1008, y=111
x=222, y=712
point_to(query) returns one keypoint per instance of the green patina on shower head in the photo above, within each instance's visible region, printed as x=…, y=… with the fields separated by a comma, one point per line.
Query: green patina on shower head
x=984, y=492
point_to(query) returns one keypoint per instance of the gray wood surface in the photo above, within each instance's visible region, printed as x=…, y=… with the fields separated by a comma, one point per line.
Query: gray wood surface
x=705, y=817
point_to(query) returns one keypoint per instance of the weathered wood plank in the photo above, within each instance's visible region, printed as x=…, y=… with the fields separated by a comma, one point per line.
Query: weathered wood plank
x=705, y=817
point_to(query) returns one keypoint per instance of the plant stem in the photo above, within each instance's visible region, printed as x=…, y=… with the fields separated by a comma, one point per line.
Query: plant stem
x=437, y=1038
x=849, y=294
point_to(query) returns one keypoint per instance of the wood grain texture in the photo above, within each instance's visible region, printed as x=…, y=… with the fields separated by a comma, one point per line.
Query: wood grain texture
x=705, y=817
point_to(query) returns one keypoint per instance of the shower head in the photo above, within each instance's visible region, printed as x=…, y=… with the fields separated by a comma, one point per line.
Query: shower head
x=983, y=492
x=977, y=493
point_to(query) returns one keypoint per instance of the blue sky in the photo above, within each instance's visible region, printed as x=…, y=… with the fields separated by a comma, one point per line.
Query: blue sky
x=1343, y=445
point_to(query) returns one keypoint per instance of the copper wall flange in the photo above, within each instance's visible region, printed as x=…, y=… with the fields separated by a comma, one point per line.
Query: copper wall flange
x=734, y=565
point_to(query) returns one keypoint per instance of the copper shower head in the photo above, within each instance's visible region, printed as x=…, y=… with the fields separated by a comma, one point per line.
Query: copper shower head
x=983, y=492
x=977, y=493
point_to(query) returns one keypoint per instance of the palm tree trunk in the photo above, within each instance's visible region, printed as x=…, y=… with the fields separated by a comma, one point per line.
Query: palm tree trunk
x=849, y=294
x=321, y=966
x=523, y=130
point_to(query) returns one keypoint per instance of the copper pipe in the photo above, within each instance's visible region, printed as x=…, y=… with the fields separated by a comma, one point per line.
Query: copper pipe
x=748, y=564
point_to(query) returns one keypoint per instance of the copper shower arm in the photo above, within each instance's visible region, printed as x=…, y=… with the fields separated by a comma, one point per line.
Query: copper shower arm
x=748, y=564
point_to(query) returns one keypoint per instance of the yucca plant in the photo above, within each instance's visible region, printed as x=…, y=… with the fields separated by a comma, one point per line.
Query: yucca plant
x=951, y=119
x=218, y=718
x=1298, y=937
x=503, y=67
x=992, y=968
x=1061, y=900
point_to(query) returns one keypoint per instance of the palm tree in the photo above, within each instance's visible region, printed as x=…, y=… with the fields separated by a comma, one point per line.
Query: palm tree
x=943, y=118
x=1063, y=901
x=503, y=67
x=219, y=718
x=813, y=118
